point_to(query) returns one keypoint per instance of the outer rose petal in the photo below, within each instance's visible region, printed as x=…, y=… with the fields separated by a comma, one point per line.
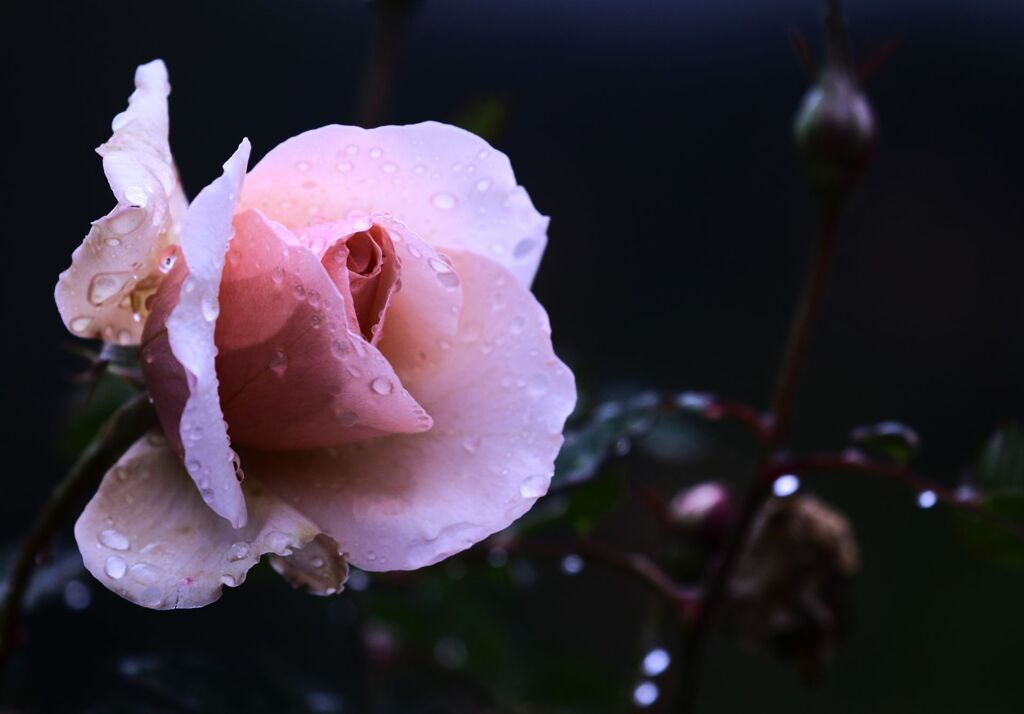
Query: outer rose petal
x=205, y=233
x=118, y=263
x=293, y=375
x=453, y=188
x=148, y=536
x=499, y=397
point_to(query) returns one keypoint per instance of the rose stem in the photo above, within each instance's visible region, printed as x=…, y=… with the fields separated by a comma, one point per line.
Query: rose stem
x=807, y=310
x=130, y=421
x=391, y=22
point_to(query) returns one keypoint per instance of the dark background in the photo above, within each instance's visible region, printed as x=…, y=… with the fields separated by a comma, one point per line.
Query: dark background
x=658, y=137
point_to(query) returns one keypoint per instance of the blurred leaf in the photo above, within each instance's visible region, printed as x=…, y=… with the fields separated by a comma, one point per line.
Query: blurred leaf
x=890, y=439
x=996, y=528
x=611, y=427
x=200, y=683
x=589, y=503
x=486, y=117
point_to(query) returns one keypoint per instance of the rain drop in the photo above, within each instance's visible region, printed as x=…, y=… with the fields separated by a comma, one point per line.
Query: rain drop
x=238, y=551
x=81, y=324
x=534, y=487
x=279, y=363
x=523, y=248
x=443, y=201
x=115, y=567
x=114, y=540
x=105, y=286
x=382, y=386
x=483, y=184
x=210, y=307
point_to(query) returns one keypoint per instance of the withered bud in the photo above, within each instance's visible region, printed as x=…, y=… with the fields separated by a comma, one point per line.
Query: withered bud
x=789, y=591
x=705, y=511
x=835, y=134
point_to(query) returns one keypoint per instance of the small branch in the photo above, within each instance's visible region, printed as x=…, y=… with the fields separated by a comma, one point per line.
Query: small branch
x=794, y=357
x=124, y=427
x=392, y=19
x=815, y=286
x=684, y=599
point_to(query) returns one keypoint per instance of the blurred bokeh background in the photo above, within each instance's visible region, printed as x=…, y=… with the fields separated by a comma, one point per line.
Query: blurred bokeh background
x=658, y=137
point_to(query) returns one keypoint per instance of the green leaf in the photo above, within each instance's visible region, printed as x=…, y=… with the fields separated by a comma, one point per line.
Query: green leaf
x=889, y=439
x=592, y=501
x=611, y=427
x=996, y=528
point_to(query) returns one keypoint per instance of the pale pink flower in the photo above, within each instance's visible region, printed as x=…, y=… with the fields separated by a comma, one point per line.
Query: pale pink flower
x=350, y=323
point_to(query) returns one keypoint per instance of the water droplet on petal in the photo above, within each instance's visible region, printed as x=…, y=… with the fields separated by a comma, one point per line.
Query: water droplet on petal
x=302, y=166
x=523, y=248
x=534, y=486
x=537, y=385
x=115, y=567
x=443, y=201
x=389, y=167
x=376, y=152
x=518, y=324
x=81, y=324
x=317, y=562
x=228, y=580
x=114, y=540
x=483, y=184
x=238, y=551
x=112, y=242
x=277, y=275
x=344, y=166
x=279, y=363
x=210, y=307
x=137, y=196
x=382, y=386
x=145, y=573
x=105, y=286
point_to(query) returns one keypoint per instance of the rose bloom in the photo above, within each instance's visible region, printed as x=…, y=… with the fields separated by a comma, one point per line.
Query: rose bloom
x=350, y=323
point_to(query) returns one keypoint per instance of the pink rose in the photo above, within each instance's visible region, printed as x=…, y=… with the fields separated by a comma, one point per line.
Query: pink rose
x=350, y=323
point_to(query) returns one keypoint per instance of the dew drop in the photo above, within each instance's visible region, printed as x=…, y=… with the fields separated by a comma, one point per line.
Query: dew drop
x=518, y=324
x=114, y=540
x=534, y=486
x=81, y=324
x=145, y=573
x=537, y=385
x=279, y=542
x=238, y=551
x=302, y=166
x=113, y=242
x=115, y=567
x=376, y=152
x=524, y=248
x=300, y=292
x=389, y=167
x=279, y=363
x=483, y=184
x=137, y=196
x=445, y=275
x=443, y=201
x=382, y=386
x=228, y=580
x=105, y=286
x=210, y=307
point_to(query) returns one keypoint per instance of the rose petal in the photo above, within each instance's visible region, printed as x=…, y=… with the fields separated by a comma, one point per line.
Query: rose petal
x=206, y=231
x=119, y=263
x=148, y=536
x=449, y=185
x=292, y=374
x=499, y=397
x=424, y=315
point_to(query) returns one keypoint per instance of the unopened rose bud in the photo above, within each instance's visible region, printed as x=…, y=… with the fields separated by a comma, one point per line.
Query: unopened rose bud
x=835, y=134
x=705, y=511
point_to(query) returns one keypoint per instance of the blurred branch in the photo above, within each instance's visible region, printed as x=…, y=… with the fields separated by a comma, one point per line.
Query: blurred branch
x=392, y=20
x=123, y=428
x=684, y=599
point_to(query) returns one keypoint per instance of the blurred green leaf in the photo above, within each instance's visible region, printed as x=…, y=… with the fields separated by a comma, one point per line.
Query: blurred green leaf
x=595, y=499
x=611, y=427
x=889, y=439
x=995, y=529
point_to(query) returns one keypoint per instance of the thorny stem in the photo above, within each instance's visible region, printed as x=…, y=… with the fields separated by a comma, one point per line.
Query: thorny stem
x=815, y=287
x=131, y=420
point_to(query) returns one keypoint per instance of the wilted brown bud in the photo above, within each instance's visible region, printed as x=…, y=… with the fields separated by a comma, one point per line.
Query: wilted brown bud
x=705, y=512
x=789, y=591
x=835, y=134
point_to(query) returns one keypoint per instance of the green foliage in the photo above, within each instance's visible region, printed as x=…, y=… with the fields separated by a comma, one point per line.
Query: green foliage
x=996, y=529
x=892, y=440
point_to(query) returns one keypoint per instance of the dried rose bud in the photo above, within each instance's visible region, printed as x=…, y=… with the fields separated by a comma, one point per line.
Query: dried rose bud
x=705, y=511
x=789, y=591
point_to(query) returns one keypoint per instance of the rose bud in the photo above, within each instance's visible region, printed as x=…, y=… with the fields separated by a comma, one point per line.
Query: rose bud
x=705, y=512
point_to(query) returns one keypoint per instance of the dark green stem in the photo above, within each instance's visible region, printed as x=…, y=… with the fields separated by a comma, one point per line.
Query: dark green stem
x=759, y=489
x=125, y=426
